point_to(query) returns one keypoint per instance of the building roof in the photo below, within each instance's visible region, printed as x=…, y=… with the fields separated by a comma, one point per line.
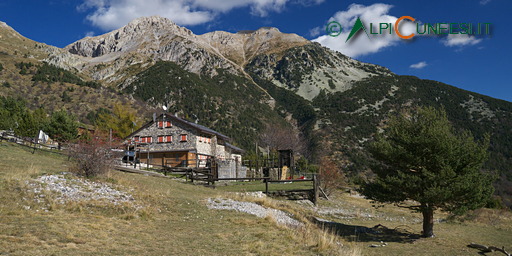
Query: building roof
x=234, y=148
x=198, y=127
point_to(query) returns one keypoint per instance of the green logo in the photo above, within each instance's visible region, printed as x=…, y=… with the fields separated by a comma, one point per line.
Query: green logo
x=356, y=28
x=445, y=28
x=333, y=29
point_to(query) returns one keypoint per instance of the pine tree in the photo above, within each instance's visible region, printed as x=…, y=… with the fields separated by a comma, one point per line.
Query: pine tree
x=62, y=126
x=27, y=125
x=420, y=158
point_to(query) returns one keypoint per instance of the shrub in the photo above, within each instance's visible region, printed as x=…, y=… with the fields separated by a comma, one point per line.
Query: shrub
x=92, y=157
x=330, y=175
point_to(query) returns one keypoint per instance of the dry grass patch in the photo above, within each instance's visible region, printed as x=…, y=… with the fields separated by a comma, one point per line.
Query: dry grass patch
x=320, y=240
x=401, y=232
x=177, y=221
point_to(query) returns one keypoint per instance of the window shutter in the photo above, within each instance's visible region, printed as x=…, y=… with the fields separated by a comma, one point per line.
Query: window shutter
x=136, y=138
x=168, y=124
x=160, y=124
x=160, y=139
x=169, y=138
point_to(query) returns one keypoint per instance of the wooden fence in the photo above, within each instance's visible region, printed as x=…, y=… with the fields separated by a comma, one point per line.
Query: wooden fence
x=209, y=175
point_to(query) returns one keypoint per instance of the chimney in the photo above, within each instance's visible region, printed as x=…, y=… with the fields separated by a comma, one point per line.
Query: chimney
x=154, y=117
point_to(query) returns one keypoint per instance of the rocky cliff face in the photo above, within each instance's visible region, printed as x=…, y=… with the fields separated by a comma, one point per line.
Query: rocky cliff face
x=287, y=60
x=241, y=47
x=145, y=35
x=310, y=69
x=147, y=40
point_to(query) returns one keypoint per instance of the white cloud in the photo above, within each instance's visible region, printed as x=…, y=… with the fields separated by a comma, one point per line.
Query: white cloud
x=419, y=65
x=484, y=2
x=89, y=34
x=460, y=40
x=315, y=31
x=258, y=7
x=112, y=14
x=362, y=45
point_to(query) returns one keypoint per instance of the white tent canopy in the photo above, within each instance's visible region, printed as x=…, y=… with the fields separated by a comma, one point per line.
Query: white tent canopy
x=42, y=137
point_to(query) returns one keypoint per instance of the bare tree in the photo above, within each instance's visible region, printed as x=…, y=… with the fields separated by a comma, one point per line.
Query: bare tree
x=279, y=137
x=92, y=157
x=330, y=175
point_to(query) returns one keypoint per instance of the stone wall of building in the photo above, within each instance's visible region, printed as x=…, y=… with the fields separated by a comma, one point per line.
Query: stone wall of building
x=176, y=130
x=204, y=146
x=220, y=152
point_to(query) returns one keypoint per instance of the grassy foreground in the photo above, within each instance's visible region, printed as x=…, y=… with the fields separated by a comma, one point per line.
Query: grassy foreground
x=171, y=218
x=402, y=230
x=168, y=218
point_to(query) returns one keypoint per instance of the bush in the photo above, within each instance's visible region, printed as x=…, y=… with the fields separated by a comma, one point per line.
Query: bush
x=92, y=158
x=330, y=175
x=495, y=202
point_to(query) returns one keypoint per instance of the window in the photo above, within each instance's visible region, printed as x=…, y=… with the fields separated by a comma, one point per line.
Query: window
x=147, y=139
x=183, y=138
x=164, y=124
x=164, y=138
x=136, y=138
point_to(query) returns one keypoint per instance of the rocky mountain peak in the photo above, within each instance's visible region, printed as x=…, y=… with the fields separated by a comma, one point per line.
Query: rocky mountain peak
x=242, y=46
x=145, y=32
x=9, y=31
x=4, y=25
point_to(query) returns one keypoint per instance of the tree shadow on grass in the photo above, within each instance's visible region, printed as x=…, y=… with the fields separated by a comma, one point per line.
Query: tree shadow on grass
x=379, y=232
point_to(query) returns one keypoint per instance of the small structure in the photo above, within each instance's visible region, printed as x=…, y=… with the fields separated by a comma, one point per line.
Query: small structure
x=170, y=141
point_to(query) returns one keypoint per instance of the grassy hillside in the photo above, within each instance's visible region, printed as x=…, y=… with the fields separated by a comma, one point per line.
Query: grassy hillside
x=350, y=119
x=167, y=218
x=46, y=86
x=401, y=229
x=171, y=218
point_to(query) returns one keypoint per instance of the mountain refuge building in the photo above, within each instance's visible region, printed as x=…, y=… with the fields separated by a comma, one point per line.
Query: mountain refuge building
x=170, y=141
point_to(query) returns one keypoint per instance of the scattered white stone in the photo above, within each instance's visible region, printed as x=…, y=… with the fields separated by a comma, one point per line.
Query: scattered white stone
x=256, y=194
x=254, y=209
x=76, y=189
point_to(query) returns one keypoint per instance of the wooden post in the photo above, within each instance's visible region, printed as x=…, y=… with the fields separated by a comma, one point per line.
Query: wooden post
x=35, y=142
x=236, y=167
x=266, y=185
x=257, y=159
x=315, y=189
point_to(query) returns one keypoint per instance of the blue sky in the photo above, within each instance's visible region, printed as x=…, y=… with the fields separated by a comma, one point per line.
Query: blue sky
x=480, y=63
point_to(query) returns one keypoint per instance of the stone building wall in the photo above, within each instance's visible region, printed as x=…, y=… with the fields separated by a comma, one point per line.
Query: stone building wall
x=204, y=147
x=176, y=130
